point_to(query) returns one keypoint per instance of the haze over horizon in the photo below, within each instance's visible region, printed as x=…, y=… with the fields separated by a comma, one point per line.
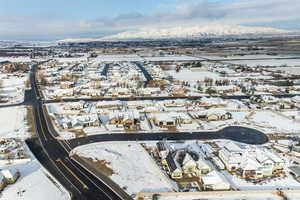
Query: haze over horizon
x=55, y=20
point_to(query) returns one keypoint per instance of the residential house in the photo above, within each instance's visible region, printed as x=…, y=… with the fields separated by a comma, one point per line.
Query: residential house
x=66, y=84
x=109, y=104
x=2, y=182
x=165, y=121
x=231, y=155
x=74, y=105
x=213, y=181
x=178, y=91
x=184, y=163
x=11, y=175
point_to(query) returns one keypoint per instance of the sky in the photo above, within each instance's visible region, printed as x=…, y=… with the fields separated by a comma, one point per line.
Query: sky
x=61, y=19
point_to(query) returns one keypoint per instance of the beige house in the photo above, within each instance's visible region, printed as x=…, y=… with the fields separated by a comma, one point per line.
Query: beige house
x=184, y=163
x=2, y=182
x=10, y=175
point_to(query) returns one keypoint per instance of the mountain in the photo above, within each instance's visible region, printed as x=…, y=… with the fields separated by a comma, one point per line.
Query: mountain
x=206, y=31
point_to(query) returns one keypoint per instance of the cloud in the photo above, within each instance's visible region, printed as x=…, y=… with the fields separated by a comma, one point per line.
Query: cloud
x=246, y=12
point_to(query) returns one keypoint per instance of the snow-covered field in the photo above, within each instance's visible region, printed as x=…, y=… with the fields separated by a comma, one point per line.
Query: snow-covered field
x=172, y=58
x=223, y=196
x=13, y=123
x=132, y=166
x=188, y=75
x=118, y=58
x=16, y=59
x=13, y=87
x=272, y=184
x=72, y=59
x=290, y=70
x=274, y=123
x=271, y=62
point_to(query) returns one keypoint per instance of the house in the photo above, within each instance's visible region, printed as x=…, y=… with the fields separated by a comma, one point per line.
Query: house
x=225, y=89
x=163, y=149
x=149, y=91
x=203, y=167
x=59, y=93
x=212, y=115
x=90, y=120
x=213, y=181
x=295, y=171
x=2, y=182
x=119, y=91
x=175, y=103
x=251, y=162
x=184, y=163
x=211, y=102
x=165, y=121
x=231, y=155
x=74, y=105
x=174, y=169
x=251, y=169
x=66, y=84
x=128, y=120
x=217, y=116
x=139, y=104
x=178, y=91
x=11, y=175
x=91, y=92
x=109, y=104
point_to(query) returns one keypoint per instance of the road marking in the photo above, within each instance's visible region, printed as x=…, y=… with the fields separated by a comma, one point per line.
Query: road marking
x=103, y=182
x=39, y=117
x=80, y=181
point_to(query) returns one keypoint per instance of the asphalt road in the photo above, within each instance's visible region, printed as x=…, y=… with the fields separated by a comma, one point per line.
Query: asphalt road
x=105, y=70
x=145, y=72
x=237, y=97
x=235, y=133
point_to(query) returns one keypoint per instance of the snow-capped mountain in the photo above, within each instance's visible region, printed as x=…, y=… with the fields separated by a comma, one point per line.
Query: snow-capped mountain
x=195, y=32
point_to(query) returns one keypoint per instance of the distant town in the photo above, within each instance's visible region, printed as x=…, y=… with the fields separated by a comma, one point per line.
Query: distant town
x=194, y=119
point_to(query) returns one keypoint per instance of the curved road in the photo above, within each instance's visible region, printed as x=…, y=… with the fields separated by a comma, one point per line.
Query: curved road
x=235, y=133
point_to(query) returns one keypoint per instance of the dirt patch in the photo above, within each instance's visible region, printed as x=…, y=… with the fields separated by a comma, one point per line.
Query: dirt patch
x=99, y=165
x=78, y=132
x=30, y=121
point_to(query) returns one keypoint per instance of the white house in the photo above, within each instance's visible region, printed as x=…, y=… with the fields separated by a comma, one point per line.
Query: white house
x=213, y=181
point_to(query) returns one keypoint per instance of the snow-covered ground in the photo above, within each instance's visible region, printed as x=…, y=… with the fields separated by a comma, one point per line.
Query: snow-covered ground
x=172, y=58
x=191, y=76
x=272, y=122
x=290, y=70
x=71, y=59
x=132, y=167
x=271, y=62
x=34, y=183
x=12, y=122
x=118, y=58
x=222, y=196
x=16, y=59
x=13, y=87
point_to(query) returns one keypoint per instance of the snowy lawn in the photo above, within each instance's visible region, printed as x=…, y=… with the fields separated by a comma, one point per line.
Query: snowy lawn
x=188, y=75
x=272, y=122
x=223, y=196
x=13, y=123
x=13, y=87
x=272, y=184
x=132, y=166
